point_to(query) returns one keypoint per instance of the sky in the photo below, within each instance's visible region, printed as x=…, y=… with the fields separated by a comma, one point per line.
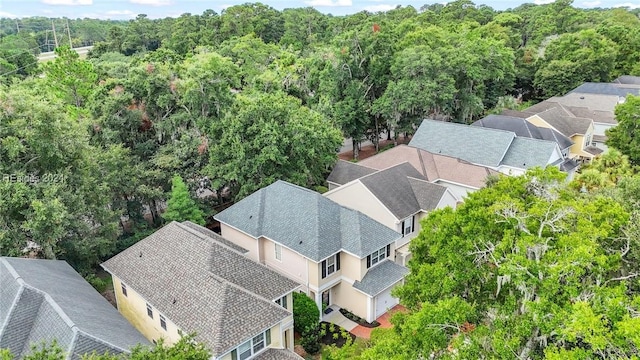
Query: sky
x=128, y=9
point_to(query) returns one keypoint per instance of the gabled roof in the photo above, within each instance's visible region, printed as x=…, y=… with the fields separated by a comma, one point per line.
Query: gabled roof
x=346, y=171
x=306, y=222
x=598, y=116
x=46, y=300
x=203, y=286
x=523, y=128
x=381, y=277
x=432, y=166
x=596, y=102
x=427, y=194
x=567, y=125
x=607, y=89
x=627, y=79
x=403, y=190
x=214, y=236
x=471, y=143
x=526, y=153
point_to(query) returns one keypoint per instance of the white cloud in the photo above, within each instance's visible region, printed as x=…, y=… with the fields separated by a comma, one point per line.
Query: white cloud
x=151, y=2
x=542, y=2
x=119, y=12
x=381, y=7
x=68, y=2
x=4, y=14
x=329, y=3
x=628, y=5
x=591, y=3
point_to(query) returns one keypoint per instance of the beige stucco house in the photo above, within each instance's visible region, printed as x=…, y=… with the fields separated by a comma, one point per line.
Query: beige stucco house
x=340, y=256
x=185, y=279
x=398, y=197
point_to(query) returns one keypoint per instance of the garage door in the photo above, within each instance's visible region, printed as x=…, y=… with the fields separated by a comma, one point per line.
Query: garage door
x=384, y=301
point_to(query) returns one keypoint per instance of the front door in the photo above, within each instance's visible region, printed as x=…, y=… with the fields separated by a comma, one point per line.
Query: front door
x=326, y=301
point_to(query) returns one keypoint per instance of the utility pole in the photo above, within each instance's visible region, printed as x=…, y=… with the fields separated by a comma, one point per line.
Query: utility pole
x=55, y=37
x=69, y=33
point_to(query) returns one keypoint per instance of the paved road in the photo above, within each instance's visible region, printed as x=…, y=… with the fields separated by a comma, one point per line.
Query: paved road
x=347, y=144
x=46, y=56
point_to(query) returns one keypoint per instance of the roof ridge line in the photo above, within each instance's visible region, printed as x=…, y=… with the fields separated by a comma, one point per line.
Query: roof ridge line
x=84, y=333
x=206, y=237
x=424, y=170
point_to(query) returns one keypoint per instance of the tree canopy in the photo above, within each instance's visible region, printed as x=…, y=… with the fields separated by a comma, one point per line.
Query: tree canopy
x=525, y=268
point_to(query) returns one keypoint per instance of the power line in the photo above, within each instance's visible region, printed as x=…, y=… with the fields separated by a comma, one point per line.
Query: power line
x=18, y=69
x=26, y=51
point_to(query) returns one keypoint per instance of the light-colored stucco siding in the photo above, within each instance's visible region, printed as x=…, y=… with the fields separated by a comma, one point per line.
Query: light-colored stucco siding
x=448, y=199
x=134, y=308
x=356, y=196
x=459, y=191
x=351, y=299
x=600, y=128
x=351, y=266
x=292, y=265
x=241, y=239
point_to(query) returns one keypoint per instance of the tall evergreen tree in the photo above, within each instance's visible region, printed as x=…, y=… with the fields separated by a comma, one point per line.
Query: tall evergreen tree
x=181, y=206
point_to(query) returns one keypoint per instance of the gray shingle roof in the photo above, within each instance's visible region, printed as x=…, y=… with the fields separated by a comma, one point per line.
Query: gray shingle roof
x=189, y=278
x=471, y=143
x=627, y=79
x=278, y=354
x=523, y=128
x=214, y=236
x=306, y=222
x=568, y=165
x=346, y=171
x=567, y=125
x=402, y=190
x=607, y=89
x=427, y=194
x=43, y=300
x=526, y=153
x=595, y=102
x=380, y=277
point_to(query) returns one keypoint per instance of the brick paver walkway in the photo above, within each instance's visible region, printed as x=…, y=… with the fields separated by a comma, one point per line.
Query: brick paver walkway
x=365, y=332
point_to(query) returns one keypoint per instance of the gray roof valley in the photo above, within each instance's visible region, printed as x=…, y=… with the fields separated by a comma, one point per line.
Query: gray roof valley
x=306, y=222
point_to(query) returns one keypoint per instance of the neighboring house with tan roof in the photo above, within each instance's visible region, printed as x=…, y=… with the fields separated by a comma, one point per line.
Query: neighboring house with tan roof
x=340, y=256
x=46, y=301
x=461, y=177
x=579, y=130
x=597, y=107
x=184, y=279
x=500, y=150
x=398, y=197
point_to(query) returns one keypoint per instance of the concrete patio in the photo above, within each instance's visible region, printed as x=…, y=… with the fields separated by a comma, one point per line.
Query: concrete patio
x=336, y=317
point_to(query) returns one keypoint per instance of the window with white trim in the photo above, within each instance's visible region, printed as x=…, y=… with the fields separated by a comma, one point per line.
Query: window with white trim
x=124, y=289
x=252, y=346
x=278, y=250
x=282, y=301
x=408, y=225
x=377, y=256
x=330, y=265
x=150, y=311
x=163, y=322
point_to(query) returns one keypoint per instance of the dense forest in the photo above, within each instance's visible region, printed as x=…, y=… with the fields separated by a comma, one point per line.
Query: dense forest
x=231, y=102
